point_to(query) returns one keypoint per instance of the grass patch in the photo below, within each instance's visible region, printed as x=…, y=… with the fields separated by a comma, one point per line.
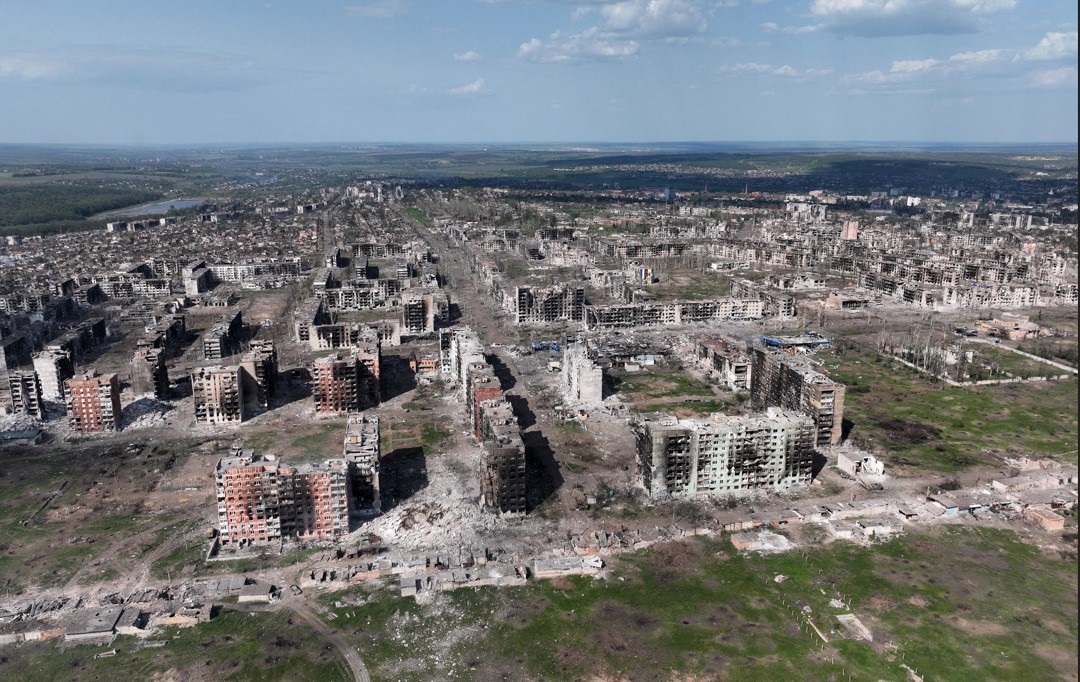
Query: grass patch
x=660, y=383
x=232, y=646
x=924, y=424
x=956, y=603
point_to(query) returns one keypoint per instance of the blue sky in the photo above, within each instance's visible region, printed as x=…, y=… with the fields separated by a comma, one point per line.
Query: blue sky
x=194, y=71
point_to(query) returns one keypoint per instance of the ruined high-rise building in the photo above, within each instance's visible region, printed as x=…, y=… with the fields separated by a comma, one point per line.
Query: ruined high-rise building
x=219, y=395
x=335, y=385
x=724, y=455
x=582, y=378
x=791, y=383
x=261, y=500
x=362, y=453
x=259, y=372
x=53, y=367
x=556, y=303
x=149, y=373
x=93, y=402
x=25, y=390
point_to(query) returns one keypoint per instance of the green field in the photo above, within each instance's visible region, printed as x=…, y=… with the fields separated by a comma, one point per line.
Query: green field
x=924, y=424
x=232, y=646
x=954, y=603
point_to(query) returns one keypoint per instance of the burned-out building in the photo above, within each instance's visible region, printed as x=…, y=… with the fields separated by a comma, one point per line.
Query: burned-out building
x=219, y=395
x=259, y=370
x=149, y=373
x=724, y=455
x=790, y=382
x=724, y=360
x=93, y=402
x=582, y=377
x=25, y=391
x=344, y=383
x=562, y=302
x=363, y=454
x=54, y=367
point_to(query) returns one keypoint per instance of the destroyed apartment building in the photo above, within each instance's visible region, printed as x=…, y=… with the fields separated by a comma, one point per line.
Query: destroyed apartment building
x=582, y=378
x=345, y=382
x=671, y=313
x=724, y=455
x=25, y=391
x=724, y=360
x=361, y=451
x=790, y=382
x=218, y=395
x=224, y=336
x=491, y=421
x=93, y=402
x=261, y=500
x=149, y=373
x=259, y=372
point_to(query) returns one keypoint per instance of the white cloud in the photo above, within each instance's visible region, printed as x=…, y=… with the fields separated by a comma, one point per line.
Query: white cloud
x=1054, y=46
x=773, y=27
x=380, y=9
x=875, y=18
x=590, y=44
x=142, y=69
x=726, y=41
x=469, y=56
x=623, y=25
x=997, y=68
x=30, y=67
x=784, y=71
x=469, y=88
x=913, y=65
x=1050, y=78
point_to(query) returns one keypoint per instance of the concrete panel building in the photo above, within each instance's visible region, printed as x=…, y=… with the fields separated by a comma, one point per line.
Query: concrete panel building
x=582, y=378
x=724, y=455
x=25, y=391
x=259, y=370
x=247, y=499
x=791, y=383
x=53, y=367
x=93, y=402
x=149, y=373
x=363, y=454
x=261, y=500
x=219, y=395
x=344, y=383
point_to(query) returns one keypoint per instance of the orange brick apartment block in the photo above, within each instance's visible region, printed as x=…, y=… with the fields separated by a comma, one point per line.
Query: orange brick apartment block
x=93, y=402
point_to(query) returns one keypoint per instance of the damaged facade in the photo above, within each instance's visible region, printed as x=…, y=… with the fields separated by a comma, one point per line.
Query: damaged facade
x=93, y=402
x=724, y=455
x=791, y=383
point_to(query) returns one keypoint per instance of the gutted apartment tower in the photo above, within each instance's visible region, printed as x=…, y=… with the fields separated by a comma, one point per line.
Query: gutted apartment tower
x=346, y=383
x=262, y=500
x=724, y=360
x=219, y=395
x=491, y=421
x=259, y=369
x=149, y=373
x=582, y=378
x=53, y=367
x=248, y=499
x=556, y=303
x=791, y=383
x=724, y=455
x=93, y=402
x=224, y=337
x=421, y=311
x=362, y=453
x=25, y=390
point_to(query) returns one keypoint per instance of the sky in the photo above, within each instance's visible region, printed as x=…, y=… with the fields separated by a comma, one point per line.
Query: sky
x=149, y=72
